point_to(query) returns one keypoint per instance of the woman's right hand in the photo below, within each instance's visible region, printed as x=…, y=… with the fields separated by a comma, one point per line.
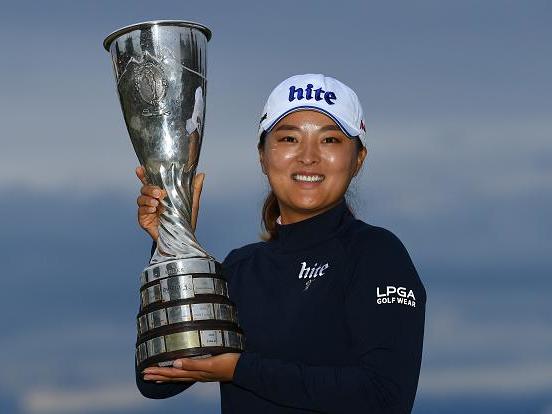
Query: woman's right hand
x=150, y=207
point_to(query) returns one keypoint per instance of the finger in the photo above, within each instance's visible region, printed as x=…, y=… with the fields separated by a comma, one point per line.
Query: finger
x=145, y=210
x=168, y=372
x=198, y=186
x=161, y=378
x=145, y=201
x=173, y=373
x=152, y=191
x=141, y=174
x=187, y=365
x=194, y=364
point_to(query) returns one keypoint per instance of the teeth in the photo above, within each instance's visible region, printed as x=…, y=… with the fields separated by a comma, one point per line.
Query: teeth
x=310, y=178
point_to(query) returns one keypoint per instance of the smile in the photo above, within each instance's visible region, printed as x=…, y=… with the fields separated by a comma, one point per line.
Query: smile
x=307, y=178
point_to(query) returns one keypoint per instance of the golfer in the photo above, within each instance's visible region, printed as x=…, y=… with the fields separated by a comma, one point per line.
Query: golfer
x=332, y=308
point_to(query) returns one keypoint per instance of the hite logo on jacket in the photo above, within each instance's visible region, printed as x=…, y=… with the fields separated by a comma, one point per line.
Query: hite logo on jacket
x=311, y=273
x=392, y=294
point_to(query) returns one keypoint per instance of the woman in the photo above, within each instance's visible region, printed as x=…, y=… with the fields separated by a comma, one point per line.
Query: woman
x=332, y=308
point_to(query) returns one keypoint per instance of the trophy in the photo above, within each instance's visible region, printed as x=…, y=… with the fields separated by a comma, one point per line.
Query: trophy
x=160, y=70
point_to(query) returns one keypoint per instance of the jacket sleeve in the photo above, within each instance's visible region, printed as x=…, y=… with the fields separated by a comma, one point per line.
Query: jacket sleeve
x=150, y=389
x=386, y=342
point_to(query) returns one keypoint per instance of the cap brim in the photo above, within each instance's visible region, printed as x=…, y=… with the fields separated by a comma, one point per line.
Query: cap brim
x=347, y=129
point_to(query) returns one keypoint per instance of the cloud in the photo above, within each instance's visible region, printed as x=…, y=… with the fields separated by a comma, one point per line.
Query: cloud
x=441, y=168
x=487, y=332
x=484, y=339
x=80, y=367
x=104, y=399
x=68, y=353
x=503, y=378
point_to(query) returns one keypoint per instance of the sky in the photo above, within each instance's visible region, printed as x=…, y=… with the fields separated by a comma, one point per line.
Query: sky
x=457, y=101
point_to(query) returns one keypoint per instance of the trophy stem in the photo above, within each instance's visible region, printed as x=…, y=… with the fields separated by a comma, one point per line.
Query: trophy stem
x=176, y=237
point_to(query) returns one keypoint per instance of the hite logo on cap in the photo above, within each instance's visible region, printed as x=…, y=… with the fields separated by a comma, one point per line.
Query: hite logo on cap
x=392, y=294
x=319, y=94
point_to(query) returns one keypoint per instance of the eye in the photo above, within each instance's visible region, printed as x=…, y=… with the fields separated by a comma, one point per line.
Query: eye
x=331, y=139
x=287, y=138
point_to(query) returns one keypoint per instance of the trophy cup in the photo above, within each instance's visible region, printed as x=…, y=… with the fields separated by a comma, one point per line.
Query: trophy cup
x=160, y=70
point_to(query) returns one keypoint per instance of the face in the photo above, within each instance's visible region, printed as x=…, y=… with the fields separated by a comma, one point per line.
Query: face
x=309, y=163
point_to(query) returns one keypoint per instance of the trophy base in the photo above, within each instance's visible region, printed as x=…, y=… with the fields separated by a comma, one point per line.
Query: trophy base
x=168, y=358
x=185, y=312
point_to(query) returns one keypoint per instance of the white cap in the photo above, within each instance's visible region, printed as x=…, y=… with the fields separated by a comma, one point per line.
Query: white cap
x=314, y=91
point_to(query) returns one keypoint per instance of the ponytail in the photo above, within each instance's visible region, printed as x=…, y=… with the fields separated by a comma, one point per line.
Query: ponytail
x=270, y=212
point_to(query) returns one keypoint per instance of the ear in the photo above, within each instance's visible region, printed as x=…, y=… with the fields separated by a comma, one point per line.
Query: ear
x=360, y=160
x=261, y=161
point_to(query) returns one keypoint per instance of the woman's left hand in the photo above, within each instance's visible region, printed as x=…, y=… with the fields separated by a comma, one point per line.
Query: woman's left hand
x=217, y=368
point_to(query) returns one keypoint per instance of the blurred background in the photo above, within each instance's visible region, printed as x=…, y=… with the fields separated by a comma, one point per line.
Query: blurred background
x=457, y=98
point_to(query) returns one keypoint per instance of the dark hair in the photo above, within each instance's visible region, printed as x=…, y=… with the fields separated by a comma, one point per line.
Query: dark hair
x=271, y=209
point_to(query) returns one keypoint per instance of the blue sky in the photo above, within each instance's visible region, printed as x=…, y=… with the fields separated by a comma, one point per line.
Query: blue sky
x=457, y=98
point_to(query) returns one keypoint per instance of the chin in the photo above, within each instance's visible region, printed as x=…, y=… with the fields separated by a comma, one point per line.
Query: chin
x=307, y=204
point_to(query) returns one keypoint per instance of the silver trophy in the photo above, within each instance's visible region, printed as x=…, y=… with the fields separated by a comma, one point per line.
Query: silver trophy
x=160, y=69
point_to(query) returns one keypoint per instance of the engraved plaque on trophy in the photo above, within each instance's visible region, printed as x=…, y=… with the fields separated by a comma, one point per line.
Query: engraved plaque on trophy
x=160, y=71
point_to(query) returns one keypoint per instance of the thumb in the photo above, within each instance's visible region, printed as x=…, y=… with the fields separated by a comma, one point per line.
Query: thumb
x=198, y=182
x=198, y=186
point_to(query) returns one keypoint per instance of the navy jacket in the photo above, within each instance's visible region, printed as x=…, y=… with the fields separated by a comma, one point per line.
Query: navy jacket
x=333, y=314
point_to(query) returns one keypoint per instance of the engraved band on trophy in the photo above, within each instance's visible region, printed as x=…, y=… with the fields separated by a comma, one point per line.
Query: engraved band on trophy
x=160, y=70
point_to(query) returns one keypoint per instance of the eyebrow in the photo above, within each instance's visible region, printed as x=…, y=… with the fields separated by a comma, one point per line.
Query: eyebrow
x=330, y=128
x=294, y=128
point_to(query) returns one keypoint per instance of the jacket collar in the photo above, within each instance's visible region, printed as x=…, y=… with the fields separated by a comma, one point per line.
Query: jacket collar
x=312, y=230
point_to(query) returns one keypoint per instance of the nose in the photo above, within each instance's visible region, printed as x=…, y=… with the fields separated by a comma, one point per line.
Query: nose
x=309, y=152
